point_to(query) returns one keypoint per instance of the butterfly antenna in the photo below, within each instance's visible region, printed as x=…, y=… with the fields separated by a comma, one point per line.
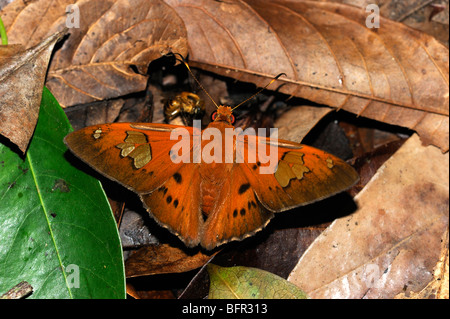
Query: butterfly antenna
x=251, y=97
x=182, y=60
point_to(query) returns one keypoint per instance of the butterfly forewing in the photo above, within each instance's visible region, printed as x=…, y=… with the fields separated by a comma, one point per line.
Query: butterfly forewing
x=135, y=155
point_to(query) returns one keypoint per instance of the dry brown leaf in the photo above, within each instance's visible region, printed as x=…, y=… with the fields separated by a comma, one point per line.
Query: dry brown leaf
x=163, y=259
x=152, y=294
x=22, y=76
x=441, y=273
x=443, y=16
x=392, y=74
x=368, y=164
x=392, y=9
x=133, y=231
x=392, y=243
x=294, y=124
x=438, y=286
x=129, y=109
x=428, y=16
x=96, y=62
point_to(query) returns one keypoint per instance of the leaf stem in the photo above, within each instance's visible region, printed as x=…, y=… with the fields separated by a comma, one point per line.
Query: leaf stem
x=3, y=33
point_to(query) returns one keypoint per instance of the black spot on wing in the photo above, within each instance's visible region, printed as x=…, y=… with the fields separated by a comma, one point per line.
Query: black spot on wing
x=177, y=177
x=243, y=188
x=163, y=189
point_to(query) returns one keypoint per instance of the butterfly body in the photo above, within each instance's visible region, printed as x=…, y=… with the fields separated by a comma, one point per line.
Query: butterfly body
x=221, y=191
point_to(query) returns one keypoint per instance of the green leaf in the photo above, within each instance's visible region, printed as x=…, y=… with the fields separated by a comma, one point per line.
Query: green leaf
x=57, y=231
x=249, y=283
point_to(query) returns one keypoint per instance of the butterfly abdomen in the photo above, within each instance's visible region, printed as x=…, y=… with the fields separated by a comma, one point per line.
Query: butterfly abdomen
x=213, y=175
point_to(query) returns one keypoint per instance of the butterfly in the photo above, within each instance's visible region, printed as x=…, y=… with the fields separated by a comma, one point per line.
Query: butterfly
x=213, y=192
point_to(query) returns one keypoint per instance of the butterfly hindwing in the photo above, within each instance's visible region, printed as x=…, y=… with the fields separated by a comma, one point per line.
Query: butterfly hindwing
x=237, y=213
x=177, y=204
x=303, y=175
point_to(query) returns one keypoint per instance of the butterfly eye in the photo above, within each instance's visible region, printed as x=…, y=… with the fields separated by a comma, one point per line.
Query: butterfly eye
x=214, y=116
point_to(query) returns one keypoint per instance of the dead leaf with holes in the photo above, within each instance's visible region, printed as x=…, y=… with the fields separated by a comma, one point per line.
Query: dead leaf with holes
x=22, y=77
x=108, y=55
x=393, y=242
x=392, y=73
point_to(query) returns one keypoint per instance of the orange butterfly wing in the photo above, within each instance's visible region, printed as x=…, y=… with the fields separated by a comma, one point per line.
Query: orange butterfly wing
x=135, y=155
x=248, y=199
x=176, y=205
x=138, y=156
x=237, y=213
x=302, y=176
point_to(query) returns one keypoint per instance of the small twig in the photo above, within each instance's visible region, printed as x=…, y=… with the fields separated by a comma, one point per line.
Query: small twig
x=19, y=291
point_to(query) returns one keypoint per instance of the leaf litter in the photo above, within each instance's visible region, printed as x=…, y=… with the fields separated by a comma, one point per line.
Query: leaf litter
x=318, y=92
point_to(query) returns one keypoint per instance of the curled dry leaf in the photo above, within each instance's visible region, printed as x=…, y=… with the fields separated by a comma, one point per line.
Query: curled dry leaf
x=392, y=74
x=392, y=243
x=99, y=59
x=22, y=76
x=163, y=259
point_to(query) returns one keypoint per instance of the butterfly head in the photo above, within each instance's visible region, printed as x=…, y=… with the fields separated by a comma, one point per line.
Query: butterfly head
x=223, y=114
